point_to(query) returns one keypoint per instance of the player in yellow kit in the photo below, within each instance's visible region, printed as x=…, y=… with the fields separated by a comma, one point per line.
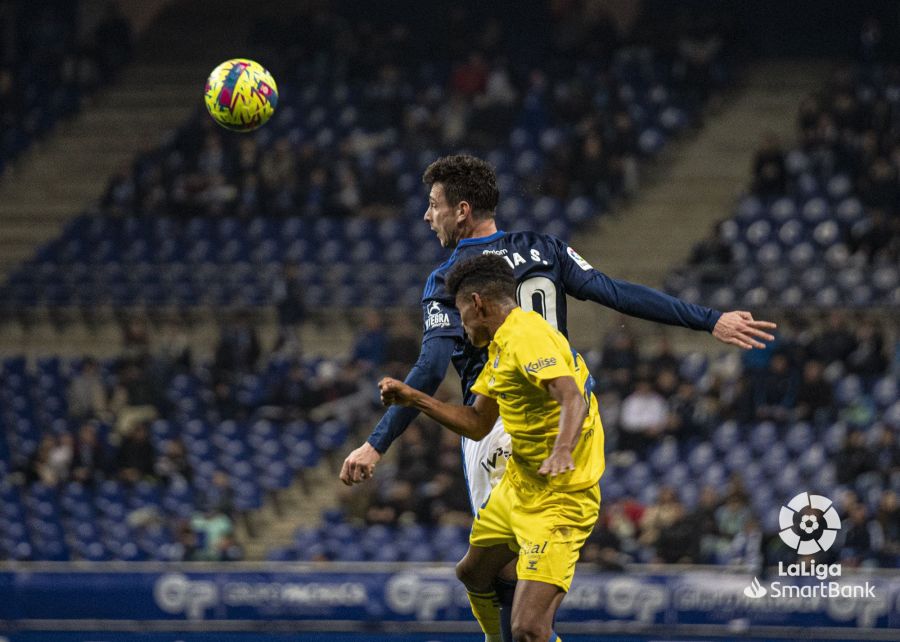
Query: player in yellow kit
x=547, y=502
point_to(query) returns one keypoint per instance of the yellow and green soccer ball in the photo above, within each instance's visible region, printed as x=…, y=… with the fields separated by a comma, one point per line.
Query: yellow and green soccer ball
x=241, y=95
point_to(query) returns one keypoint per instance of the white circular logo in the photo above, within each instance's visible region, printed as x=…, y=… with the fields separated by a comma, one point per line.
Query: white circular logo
x=809, y=523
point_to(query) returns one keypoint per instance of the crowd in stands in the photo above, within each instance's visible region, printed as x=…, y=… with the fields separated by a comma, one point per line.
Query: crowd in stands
x=357, y=94
x=169, y=445
x=340, y=164
x=821, y=220
x=46, y=70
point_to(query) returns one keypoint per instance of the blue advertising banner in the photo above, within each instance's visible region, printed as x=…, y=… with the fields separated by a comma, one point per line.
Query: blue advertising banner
x=43, y=597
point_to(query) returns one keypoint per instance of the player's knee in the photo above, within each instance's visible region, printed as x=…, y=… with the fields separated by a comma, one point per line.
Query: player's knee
x=530, y=630
x=465, y=572
x=468, y=574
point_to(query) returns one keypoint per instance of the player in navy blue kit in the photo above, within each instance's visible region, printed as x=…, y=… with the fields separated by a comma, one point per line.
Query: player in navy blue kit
x=462, y=202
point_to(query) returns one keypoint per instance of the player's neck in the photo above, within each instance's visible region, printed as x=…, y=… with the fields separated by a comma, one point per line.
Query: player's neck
x=480, y=229
x=498, y=316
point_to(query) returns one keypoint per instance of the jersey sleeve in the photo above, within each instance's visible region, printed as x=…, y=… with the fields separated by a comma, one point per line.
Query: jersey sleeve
x=542, y=357
x=585, y=282
x=439, y=318
x=426, y=375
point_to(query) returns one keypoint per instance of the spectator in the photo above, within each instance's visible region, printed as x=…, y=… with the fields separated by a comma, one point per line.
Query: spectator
x=218, y=497
x=402, y=349
x=706, y=528
x=173, y=465
x=288, y=298
x=732, y=515
x=619, y=359
x=867, y=359
x=370, y=346
x=777, y=394
x=380, y=191
x=859, y=534
x=835, y=342
x=213, y=530
x=814, y=395
x=886, y=454
x=87, y=394
x=769, y=171
x=746, y=547
x=853, y=459
x=136, y=458
x=887, y=525
x=293, y=393
x=604, y=548
x=661, y=526
x=238, y=349
x=644, y=417
x=89, y=461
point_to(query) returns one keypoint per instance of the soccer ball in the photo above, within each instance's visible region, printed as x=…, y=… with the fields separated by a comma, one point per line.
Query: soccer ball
x=241, y=95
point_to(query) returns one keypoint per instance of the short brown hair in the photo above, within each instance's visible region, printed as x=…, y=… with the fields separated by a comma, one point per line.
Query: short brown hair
x=466, y=178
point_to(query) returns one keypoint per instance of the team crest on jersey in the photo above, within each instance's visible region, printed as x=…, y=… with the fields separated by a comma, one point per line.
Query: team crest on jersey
x=436, y=316
x=575, y=256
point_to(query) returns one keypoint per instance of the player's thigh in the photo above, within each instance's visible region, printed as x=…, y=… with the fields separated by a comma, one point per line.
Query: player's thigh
x=534, y=605
x=551, y=528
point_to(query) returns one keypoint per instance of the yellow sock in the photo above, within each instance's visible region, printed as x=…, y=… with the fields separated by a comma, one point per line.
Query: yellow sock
x=486, y=609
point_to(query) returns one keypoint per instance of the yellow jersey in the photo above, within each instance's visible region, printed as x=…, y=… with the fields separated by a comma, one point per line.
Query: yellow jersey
x=525, y=353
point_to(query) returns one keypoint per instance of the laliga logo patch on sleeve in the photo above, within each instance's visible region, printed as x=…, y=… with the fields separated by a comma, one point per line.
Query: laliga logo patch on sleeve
x=575, y=256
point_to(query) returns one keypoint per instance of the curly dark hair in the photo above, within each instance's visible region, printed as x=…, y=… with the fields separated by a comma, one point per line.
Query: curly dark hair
x=487, y=274
x=466, y=178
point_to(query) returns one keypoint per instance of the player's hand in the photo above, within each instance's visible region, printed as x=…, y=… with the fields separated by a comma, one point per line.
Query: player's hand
x=559, y=462
x=395, y=392
x=742, y=330
x=360, y=464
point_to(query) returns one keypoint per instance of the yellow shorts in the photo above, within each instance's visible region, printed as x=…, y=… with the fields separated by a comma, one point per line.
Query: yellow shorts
x=546, y=527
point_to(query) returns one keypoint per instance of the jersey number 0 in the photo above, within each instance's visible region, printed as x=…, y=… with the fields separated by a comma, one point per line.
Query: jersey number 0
x=538, y=294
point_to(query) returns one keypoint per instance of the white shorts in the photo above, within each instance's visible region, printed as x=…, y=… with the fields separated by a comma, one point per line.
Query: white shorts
x=484, y=462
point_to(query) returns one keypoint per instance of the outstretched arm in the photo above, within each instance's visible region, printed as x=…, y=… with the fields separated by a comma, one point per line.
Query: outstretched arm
x=474, y=422
x=426, y=375
x=737, y=328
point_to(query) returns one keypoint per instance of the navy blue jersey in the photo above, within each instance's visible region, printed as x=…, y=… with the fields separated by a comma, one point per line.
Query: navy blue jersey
x=546, y=270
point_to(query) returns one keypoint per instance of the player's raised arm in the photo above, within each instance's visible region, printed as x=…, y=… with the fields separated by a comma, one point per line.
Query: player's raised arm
x=586, y=282
x=426, y=375
x=473, y=422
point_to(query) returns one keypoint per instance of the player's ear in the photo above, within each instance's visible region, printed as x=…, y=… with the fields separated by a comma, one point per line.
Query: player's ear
x=462, y=210
x=478, y=302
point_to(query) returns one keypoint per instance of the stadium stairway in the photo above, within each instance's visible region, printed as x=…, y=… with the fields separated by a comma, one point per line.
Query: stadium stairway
x=62, y=175
x=695, y=183
x=301, y=504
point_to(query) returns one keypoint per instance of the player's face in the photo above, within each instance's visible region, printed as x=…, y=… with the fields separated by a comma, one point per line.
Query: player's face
x=442, y=217
x=473, y=319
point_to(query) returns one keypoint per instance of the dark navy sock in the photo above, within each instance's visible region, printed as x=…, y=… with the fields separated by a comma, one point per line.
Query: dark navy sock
x=505, y=591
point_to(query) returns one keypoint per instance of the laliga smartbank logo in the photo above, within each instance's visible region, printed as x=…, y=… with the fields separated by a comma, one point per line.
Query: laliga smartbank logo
x=809, y=524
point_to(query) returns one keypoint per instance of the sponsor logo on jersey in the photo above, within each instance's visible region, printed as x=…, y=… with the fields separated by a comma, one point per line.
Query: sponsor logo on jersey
x=436, y=318
x=539, y=364
x=575, y=256
x=500, y=252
